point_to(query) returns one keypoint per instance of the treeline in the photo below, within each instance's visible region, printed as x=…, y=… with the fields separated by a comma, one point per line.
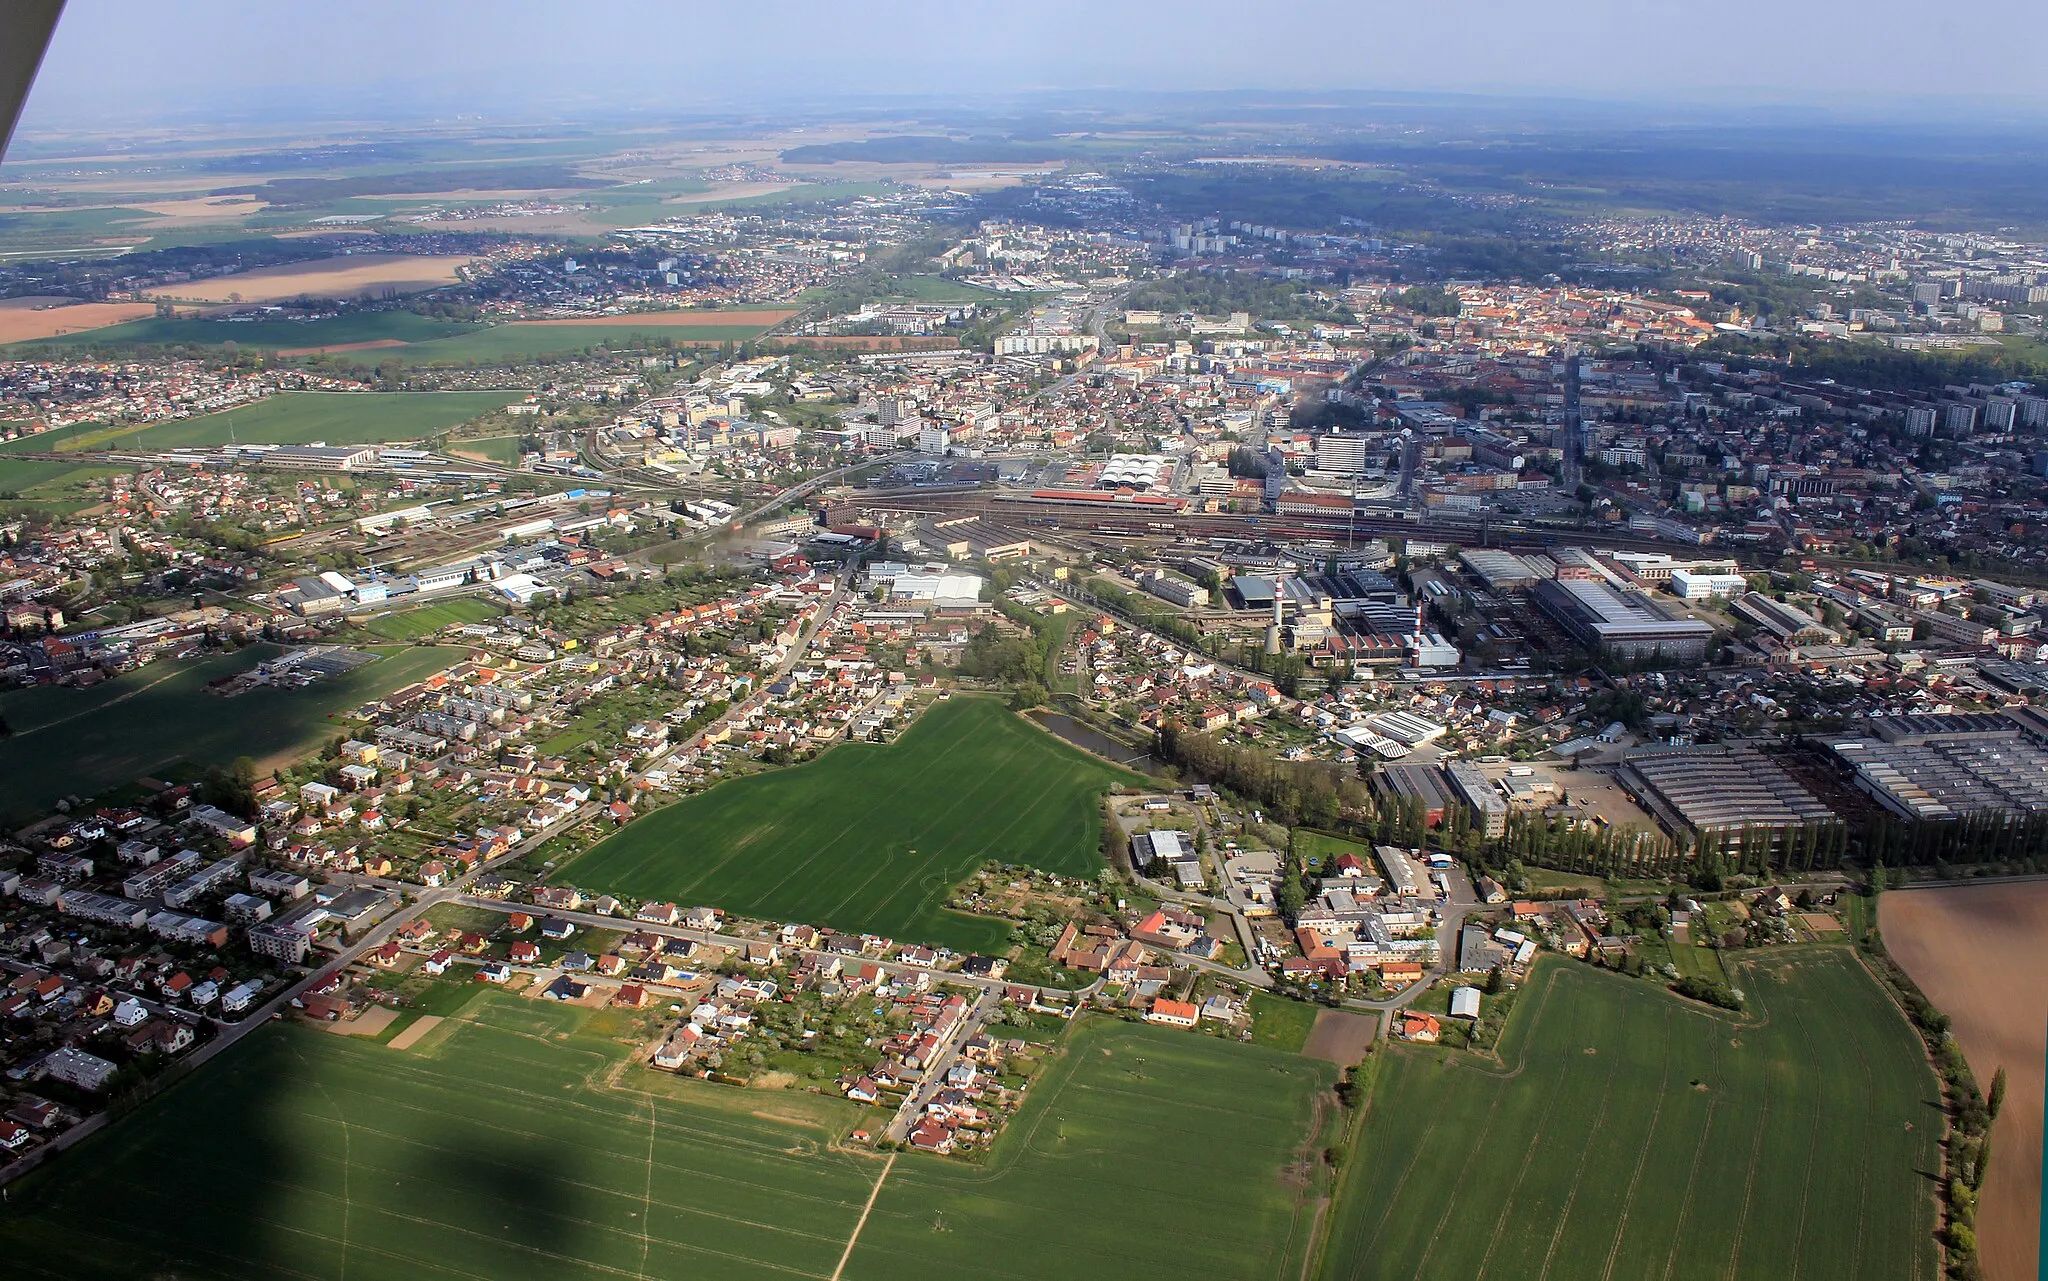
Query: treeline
x=1967, y=1153
x=1973, y=838
x=1567, y=845
x=1318, y=794
x=1021, y=662
x=1869, y=365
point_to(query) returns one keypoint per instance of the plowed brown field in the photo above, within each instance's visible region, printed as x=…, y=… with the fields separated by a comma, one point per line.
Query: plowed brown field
x=1980, y=952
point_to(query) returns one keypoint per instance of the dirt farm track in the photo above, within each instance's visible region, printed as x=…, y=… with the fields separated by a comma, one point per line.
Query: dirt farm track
x=1980, y=952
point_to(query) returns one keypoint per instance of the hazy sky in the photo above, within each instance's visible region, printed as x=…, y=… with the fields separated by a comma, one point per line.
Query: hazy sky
x=149, y=60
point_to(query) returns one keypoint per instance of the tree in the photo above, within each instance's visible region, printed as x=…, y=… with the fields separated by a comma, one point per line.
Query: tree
x=1290, y=897
x=1996, y=1100
x=232, y=789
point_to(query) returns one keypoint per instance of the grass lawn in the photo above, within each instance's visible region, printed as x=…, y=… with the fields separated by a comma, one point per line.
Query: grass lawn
x=1544, y=879
x=831, y=842
x=297, y=418
x=32, y=476
x=1281, y=1024
x=1691, y=958
x=513, y=1144
x=407, y=624
x=1314, y=847
x=1859, y=915
x=495, y=449
x=81, y=742
x=1627, y=1133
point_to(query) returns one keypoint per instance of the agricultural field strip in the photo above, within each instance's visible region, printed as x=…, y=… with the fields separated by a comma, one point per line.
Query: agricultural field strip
x=1725, y=1158
x=902, y=792
x=924, y=901
x=717, y=1144
x=508, y=1063
x=720, y=1140
x=1648, y=1145
x=345, y=1243
x=1418, y=1150
x=1182, y=1195
x=784, y=865
x=1479, y=1146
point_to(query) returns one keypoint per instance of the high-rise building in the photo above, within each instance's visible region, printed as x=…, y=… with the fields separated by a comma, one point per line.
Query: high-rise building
x=1342, y=452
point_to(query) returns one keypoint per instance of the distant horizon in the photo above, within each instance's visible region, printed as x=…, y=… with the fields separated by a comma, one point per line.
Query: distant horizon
x=119, y=62
x=1503, y=115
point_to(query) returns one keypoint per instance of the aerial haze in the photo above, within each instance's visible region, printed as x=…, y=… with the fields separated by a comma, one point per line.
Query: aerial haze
x=1120, y=641
x=124, y=60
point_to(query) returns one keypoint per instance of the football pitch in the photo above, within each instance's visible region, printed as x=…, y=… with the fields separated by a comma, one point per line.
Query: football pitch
x=513, y=1146
x=1627, y=1134
x=873, y=838
x=70, y=742
x=297, y=418
x=409, y=624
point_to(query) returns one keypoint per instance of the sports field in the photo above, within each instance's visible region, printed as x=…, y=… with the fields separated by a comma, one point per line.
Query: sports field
x=83, y=742
x=508, y=1145
x=1628, y=1134
x=409, y=624
x=503, y=450
x=301, y=417
x=871, y=837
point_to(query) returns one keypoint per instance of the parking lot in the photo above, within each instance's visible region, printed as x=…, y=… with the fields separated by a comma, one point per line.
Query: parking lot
x=1591, y=790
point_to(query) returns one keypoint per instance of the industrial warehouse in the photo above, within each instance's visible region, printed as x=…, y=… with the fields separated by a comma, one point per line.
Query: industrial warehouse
x=1719, y=789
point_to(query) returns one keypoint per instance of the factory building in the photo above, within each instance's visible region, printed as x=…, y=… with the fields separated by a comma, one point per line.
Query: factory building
x=1631, y=627
x=1724, y=789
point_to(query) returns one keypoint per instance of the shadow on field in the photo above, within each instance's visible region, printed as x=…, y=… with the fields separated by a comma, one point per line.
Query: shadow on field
x=119, y=1205
x=517, y=1191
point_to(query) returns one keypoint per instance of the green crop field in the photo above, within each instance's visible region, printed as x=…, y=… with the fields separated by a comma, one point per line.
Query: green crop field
x=1627, y=1133
x=870, y=837
x=1144, y=1153
x=1282, y=1023
x=500, y=344
x=287, y=335
x=519, y=1146
x=497, y=449
x=419, y=340
x=51, y=486
x=82, y=742
x=409, y=624
x=297, y=418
